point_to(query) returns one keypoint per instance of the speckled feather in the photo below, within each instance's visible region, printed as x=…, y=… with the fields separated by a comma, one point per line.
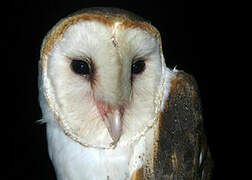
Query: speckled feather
x=182, y=146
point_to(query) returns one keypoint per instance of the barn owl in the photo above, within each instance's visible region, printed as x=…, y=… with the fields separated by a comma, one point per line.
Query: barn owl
x=113, y=110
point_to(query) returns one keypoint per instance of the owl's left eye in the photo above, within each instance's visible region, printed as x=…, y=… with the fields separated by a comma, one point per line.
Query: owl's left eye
x=80, y=67
x=138, y=67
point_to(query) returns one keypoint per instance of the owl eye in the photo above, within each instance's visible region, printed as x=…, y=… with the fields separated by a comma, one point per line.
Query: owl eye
x=138, y=67
x=80, y=67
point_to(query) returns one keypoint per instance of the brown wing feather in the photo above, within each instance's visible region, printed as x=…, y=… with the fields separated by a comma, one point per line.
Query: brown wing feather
x=182, y=151
x=138, y=174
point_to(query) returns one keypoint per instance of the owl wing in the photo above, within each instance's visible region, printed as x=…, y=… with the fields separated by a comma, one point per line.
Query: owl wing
x=182, y=151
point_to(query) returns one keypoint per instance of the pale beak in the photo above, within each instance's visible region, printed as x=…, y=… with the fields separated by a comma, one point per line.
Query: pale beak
x=112, y=118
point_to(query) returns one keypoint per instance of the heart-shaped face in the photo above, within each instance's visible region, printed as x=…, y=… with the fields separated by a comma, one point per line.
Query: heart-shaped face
x=102, y=77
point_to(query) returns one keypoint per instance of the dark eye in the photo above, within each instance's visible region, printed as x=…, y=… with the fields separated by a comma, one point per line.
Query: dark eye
x=80, y=67
x=138, y=67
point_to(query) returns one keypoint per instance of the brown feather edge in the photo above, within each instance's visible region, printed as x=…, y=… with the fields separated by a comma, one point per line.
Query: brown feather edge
x=138, y=174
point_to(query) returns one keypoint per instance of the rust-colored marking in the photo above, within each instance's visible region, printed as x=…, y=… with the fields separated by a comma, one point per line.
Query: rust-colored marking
x=58, y=30
x=180, y=83
x=138, y=174
x=175, y=81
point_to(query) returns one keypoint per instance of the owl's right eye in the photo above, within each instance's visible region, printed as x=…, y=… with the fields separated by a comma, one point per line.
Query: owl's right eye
x=80, y=67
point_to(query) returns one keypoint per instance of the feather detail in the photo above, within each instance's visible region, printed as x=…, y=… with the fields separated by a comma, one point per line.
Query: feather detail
x=41, y=121
x=138, y=174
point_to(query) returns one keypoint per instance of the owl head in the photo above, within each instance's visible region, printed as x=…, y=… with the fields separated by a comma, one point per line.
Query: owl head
x=102, y=77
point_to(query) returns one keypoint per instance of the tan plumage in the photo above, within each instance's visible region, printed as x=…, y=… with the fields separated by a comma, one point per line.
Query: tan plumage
x=115, y=122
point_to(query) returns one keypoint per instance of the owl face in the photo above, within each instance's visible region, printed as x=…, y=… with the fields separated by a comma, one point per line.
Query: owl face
x=101, y=79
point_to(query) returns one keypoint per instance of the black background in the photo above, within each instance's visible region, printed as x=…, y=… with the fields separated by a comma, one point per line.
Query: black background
x=190, y=33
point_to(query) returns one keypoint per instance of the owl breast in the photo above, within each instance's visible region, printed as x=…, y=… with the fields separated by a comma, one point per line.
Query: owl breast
x=78, y=163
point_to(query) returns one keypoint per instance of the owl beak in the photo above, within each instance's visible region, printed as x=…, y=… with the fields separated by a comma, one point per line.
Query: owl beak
x=112, y=118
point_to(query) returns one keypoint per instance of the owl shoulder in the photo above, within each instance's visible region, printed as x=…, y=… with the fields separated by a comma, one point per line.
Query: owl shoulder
x=182, y=150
